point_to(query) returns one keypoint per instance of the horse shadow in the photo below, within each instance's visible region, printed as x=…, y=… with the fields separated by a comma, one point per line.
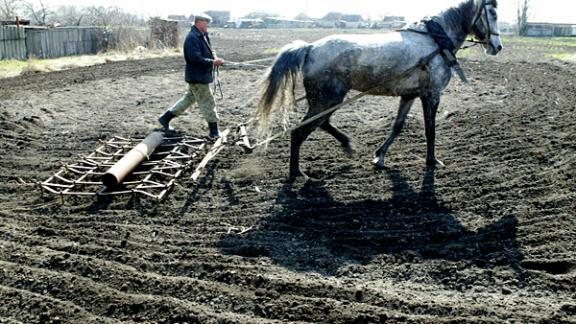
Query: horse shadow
x=311, y=232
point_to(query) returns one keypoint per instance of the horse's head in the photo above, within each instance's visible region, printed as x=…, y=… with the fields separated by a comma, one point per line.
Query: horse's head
x=485, y=26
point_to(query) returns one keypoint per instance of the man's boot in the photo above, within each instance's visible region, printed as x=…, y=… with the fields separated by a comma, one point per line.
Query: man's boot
x=214, y=133
x=165, y=119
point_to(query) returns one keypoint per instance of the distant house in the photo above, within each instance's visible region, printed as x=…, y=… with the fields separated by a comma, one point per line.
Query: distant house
x=389, y=23
x=273, y=22
x=352, y=18
x=219, y=18
x=550, y=29
x=17, y=22
x=351, y=21
x=332, y=16
x=250, y=23
x=340, y=20
x=321, y=23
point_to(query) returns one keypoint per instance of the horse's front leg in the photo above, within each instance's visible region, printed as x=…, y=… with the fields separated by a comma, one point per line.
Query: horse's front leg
x=430, y=103
x=405, y=105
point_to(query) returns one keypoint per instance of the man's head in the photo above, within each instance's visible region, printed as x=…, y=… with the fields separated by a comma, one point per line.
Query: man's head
x=202, y=21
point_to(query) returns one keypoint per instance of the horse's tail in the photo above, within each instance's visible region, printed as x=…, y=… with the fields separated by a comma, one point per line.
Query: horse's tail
x=280, y=81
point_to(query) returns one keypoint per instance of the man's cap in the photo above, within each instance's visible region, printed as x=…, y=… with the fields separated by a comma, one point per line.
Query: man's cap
x=203, y=17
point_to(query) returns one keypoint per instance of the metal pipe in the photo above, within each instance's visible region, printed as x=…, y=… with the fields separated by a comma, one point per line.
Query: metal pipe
x=119, y=171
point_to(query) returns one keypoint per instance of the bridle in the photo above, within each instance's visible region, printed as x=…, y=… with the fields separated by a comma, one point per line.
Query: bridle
x=482, y=15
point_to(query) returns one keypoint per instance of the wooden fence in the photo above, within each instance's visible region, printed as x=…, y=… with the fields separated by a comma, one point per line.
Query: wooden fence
x=21, y=43
x=58, y=42
x=12, y=43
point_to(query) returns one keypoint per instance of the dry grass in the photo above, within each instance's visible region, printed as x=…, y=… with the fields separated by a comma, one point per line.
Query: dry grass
x=13, y=68
x=565, y=57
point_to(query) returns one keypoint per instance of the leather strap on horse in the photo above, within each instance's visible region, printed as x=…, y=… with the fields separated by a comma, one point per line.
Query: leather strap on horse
x=446, y=46
x=437, y=33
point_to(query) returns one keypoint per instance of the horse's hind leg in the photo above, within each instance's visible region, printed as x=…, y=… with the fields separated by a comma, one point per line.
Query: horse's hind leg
x=405, y=105
x=344, y=139
x=297, y=137
x=329, y=94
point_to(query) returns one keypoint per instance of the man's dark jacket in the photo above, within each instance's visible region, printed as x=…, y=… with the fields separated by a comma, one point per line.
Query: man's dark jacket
x=199, y=57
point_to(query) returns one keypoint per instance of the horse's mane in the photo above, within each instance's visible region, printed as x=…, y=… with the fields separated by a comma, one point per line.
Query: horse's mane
x=460, y=16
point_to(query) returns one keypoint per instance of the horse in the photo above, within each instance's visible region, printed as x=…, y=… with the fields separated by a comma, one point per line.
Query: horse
x=410, y=63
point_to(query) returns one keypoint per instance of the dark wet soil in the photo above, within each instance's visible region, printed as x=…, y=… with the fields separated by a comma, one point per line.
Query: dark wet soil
x=489, y=237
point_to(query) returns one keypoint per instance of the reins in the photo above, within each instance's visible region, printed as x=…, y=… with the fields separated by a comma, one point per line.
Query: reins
x=217, y=84
x=216, y=72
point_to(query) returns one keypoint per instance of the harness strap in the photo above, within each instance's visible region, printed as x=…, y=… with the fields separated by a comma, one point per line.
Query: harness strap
x=436, y=31
x=445, y=45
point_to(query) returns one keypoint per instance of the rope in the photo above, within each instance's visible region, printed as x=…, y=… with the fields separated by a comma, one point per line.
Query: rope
x=315, y=117
x=217, y=84
x=244, y=64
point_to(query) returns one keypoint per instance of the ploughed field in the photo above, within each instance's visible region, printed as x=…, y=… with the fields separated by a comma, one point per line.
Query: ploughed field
x=489, y=237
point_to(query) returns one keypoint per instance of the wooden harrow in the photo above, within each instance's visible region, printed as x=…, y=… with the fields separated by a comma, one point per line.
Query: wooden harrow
x=127, y=166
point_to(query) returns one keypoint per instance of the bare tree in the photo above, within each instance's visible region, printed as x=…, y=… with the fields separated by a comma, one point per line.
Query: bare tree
x=68, y=16
x=108, y=17
x=120, y=25
x=522, y=16
x=98, y=16
x=9, y=9
x=37, y=11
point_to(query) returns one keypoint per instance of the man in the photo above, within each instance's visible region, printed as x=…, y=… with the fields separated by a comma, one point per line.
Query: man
x=200, y=61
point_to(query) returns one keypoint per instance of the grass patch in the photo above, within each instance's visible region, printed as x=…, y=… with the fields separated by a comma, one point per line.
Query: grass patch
x=570, y=57
x=12, y=68
x=272, y=51
x=550, y=42
x=541, y=41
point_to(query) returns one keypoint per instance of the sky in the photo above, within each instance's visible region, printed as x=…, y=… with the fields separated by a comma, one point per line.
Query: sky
x=557, y=11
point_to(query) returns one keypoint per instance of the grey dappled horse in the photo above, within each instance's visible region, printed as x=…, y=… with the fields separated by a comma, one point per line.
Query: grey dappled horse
x=406, y=63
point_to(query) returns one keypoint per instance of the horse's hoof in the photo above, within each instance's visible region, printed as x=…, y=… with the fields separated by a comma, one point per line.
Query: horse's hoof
x=298, y=175
x=435, y=163
x=378, y=163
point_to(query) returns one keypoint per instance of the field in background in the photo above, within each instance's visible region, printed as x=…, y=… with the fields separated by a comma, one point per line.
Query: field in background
x=516, y=49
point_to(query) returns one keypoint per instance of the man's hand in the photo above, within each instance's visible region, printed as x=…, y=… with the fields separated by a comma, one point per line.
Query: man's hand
x=218, y=62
